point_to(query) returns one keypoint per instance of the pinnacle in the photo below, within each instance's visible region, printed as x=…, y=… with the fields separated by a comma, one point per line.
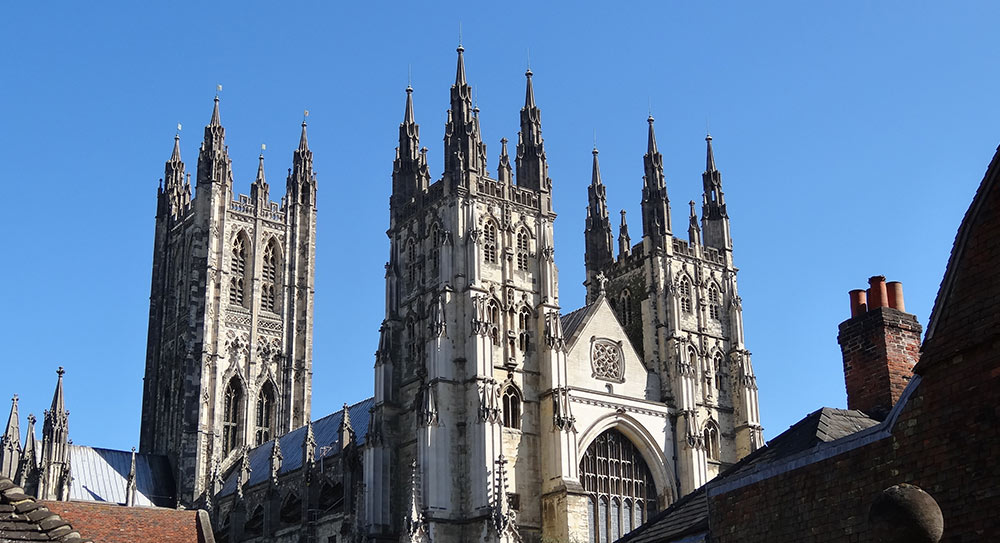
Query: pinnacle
x=216, y=119
x=260, y=168
x=595, y=178
x=651, y=144
x=710, y=156
x=529, y=93
x=176, y=155
x=303, y=139
x=408, y=117
x=460, y=72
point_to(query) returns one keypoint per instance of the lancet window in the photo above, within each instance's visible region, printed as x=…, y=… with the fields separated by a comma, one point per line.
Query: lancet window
x=714, y=302
x=511, y=402
x=435, y=252
x=711, y=436
x=269, y=277
x=493, y=318
x=625, y=305
x=265, y=414
x=238, y=271
x=412, y=274
x=232, y=415
x=490, y=242
x=524, y=327
x=718, y=363
x=620, y=488
x=684, y=291
x=522, y=249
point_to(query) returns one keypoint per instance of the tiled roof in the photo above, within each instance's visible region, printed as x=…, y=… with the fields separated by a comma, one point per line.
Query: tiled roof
x=108, y=523
x=572, y=320
x=325, y=430
x=24, y=519
x=689, y=515
x=101, y=475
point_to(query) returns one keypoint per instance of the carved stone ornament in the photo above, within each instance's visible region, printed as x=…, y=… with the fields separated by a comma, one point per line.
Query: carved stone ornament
x=607, y=360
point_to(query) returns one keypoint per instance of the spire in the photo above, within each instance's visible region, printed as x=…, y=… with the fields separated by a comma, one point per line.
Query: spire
x=58, y=401
x=130, y=489
x=656, y=222
x=216, y=119
x=410, y=175
x=303, y=139
x=624, y=242
x=408, y=117
x=597, y=233
x=460, y=71
x=55, y=446
x=174, y=194
x=710, y=156
x=27, y=471
x=532, y=166
x=176, y=155
x=694, y=233
x=214, y=165
x=345, y=430
x=259, y=188
x=10, y=443
x=504, y=172
x=260, y=169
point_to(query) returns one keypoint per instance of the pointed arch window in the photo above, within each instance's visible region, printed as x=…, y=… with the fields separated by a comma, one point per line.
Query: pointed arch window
x=684, y=291
x=493, y=318
x=714, y=302
x=524, y=329
x=511, y=402
x=232, y=415
x=238, y=271
x=264, y=427
x=412, y=274
x=412, y=342
x=719, y=367
x=625, y=303
x=490, y=247
x=435, y=252
x=291, y=509
x=711, y=436
x=619, y=484
x=523, y=245
x=269, y=277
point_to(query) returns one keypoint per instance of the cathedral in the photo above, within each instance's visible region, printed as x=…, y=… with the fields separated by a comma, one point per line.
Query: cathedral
x=497, y=414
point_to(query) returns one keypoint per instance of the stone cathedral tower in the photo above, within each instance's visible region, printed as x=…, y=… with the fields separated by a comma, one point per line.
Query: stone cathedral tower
x=471, y=300
x=677, y=301
x=229, y=354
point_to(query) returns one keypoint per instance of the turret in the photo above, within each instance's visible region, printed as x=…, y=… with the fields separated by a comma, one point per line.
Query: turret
x=410, y=175
x=10, y=443
x=55, y=447
x=464, y=151
x=214, y=165
x=532, y=167
x=175, y=193
x=300, y=187
x=655, y=203
x=597, y=233
x=715, y=219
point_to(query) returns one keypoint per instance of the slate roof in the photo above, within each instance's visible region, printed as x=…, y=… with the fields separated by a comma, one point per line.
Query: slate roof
x=108, y=523
x=24, y=519
x=572, y=320
x=325, y=430
x=101, y=475
x=689, y=515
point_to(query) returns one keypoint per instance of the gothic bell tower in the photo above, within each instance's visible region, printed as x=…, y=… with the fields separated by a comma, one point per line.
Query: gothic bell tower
x=229, y=356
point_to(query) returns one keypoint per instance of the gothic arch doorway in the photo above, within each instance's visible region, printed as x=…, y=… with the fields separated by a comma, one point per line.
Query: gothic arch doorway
x=619, y=484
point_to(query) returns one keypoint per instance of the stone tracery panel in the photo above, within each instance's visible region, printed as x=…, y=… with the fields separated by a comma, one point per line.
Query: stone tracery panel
x=607, y=360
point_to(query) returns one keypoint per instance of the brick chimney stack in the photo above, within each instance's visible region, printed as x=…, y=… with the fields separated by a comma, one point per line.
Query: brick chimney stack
x=880, y=344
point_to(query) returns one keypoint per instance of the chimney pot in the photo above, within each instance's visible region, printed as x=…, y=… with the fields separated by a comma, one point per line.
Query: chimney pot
x=895, y=290
x=877, y=295
x=859, y=302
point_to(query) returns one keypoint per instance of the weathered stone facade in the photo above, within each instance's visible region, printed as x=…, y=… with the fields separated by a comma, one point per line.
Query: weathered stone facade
x=229, y=356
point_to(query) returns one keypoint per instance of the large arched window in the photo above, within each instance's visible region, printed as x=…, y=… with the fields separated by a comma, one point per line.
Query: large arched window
x=625, y=307
x=714, y=302
x=684, y=291
x=291, y=509
x=264, y=427
x=238, y=271
x=490, y=242
x=232, y=415
x=619, y=485
x=522, y=249
x=511, y=402
x=711, y=436
x=269, y=277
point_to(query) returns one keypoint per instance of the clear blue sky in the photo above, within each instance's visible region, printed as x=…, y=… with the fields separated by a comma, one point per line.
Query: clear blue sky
x=851, y=137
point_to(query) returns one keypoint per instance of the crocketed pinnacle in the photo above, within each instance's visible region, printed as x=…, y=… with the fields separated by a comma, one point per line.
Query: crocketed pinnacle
x=216, y=119
x=175, y=156
x=529, y=92
x=260, y=170
x=460, y=71
x=595, y=177
x=58, y=401
x=651, y=144
x=303, y=139
x=710, y=158
x=408, y=117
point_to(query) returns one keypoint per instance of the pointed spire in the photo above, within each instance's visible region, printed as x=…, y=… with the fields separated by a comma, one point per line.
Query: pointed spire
x=10, y=443
x=651, y=141
x=505, y=173
x=13, y=431
x=460, y=71
x=260, y=169
x=216, y=119
x=529, y=91
x=599, y=253
x=27, y=471
x=58, y=401
x=303, y=139
x=175, y=156
x=710, y=156
x=408, y=117
x=130, y=489
x=595, y=176
x=694, y=232
x=346, y=430
x=624, y=242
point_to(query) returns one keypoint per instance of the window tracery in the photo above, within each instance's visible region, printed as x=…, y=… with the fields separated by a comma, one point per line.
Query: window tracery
x=435, y=252
x=607, y=361
x=238, y=271
x=231, y=415
x=493, y=318
x=269, y=277
x=490, y=242
x=714, y=302
x=511, y=402
x=625, y=303
x=411, y=263
x=684, y=290
x=522, y=249
x=524, y=325
x=265, y=414
x=620, y=486
x=711, y=436
x=719, y=366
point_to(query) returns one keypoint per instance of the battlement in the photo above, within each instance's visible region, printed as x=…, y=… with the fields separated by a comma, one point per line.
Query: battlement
x=274, y=211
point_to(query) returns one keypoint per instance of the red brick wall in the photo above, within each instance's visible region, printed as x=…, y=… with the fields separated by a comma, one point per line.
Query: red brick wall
x=880, y=348
x=945, y=441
